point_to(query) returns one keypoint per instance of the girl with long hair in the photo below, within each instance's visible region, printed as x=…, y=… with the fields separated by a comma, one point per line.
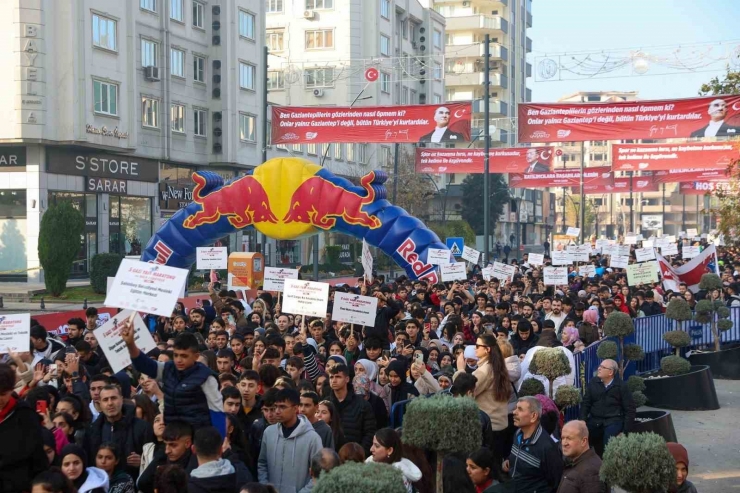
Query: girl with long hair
x=328, y=414
x=388, y=449
x=108, y=459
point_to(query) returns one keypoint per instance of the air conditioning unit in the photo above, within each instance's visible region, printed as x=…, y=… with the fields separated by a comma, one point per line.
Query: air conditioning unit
x=309, y=14
x=466, y=4
x=151, y=72
x=318, y=93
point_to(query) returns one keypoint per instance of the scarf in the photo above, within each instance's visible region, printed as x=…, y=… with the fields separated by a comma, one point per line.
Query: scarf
x=9, y=407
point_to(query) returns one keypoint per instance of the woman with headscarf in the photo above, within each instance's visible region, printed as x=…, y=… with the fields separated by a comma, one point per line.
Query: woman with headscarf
x=569, y=337
x=370, y=368
x=401, y=390
x=85, y=479
x=588, y=331
x=681, y=456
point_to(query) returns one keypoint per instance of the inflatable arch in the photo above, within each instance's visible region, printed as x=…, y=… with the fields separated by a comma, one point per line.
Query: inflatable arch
x=289, y=198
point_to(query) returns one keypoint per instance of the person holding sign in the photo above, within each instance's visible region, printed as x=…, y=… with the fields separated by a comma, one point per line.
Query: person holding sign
x=190, y=388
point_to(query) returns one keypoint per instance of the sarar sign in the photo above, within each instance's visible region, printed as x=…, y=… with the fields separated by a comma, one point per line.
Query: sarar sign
x=70, y=162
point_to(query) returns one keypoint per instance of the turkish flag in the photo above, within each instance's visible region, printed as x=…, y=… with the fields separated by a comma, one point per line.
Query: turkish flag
x=689, y=273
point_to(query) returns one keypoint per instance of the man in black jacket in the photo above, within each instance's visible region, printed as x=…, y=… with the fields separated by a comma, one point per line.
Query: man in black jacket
x=215, y=473
x=607, y=407
x=388, y=309
x=650, y=306
x=178, y=439
x=356, y=414
x=524, y=339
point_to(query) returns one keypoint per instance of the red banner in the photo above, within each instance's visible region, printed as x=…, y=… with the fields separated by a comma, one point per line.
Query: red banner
x=621, y=185
x=403, y=124
x=711, y=155
x=563, y=178
x=712, y=116
x=705, y=187
x=506, y=160
x=683, y=175
x=56, y=323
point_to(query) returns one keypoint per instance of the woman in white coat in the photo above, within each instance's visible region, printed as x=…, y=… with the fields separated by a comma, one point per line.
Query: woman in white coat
x=388, y=449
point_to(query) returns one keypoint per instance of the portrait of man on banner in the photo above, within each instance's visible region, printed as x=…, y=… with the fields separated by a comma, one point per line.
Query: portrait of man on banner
x=534, y=165
x=442, y=132
x=717, y=126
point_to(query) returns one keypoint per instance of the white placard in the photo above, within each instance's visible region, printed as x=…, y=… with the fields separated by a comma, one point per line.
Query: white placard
x=211, y=258
x=305, y=298
x=648, y=243
x=470, y=254
x=438, y=256
x=536, y=258
x=602, y=243
x=670, y=238
x=109, y=283
x=645, y=273
x=115, y=350
x=367, y=262
x=355, y=309
x=573, y=231
x=503, y=272
x=623, y=250
x=645, y=254
x=691, y=251
x=587, y=270
x=610, y=250
x=555, y=276
x=487, y=273
x=691, y=232
x=619, y=262
x=453, y=272
x=630, y=240
x=561, y=258
x=148, y=288
x=669, y=249
x=275, y=278
x=582, y=253
x=15, y=333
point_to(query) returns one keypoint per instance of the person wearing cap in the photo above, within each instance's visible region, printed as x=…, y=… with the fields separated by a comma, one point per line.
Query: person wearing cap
x=524, y=339
x=733, y=294
x=681, y=456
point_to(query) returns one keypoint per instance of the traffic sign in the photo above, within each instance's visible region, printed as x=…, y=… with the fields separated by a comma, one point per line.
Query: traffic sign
x=372, y=74
x=456, y=245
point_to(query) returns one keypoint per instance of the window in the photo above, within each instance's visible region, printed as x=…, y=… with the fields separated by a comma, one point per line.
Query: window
x=275, y=80
x=246, y=76
x=405, y=28
x=177, y=118
x=106, y=98
x=312, y=149
x=148, y=5
x=350, y=152
x=247, y=127
x=246, y=24
x=436, y=99
x=275, y=40
x=319, y=40
x=412, y=32
x=438, y=71
x=385, y=82
x=405, y=95
x=385, y=9
x=319, y=4
x=104, y=32
x=150, y=112
x=199, y=69
x=385, y=45
x=199, y=15
x=199, y=122
x=338, y=151
x=149, y=53
x=297, y=148
x=412, y=98
x=386, y=156
x=437, y=39
x=177, y=62
x=319, y=77
x=274, y=6
x=362, y=153
x=325, y=149
x=176, y=10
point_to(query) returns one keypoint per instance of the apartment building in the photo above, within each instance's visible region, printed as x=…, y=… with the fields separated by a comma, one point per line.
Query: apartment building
x=112, y=105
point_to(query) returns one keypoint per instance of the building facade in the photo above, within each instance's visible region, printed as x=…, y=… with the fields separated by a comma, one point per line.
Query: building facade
x=113, y=105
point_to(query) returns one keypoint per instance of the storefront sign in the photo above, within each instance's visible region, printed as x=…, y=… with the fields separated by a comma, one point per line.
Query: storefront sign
x=70, y=162
x=106, y=185
x=172, y=197
x=106, y=132
x=91, y=224
x=12, y=156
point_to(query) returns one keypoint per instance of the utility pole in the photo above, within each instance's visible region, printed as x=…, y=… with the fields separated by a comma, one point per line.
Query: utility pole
x=487, y=147
x=583, y=198
x=265, y=109
x=632, y=207
x=664, y=219
x=395, y=193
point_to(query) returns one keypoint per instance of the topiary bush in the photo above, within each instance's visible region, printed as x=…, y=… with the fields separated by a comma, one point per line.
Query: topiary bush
x=550, y=363
x=678, y=309
x=368, y=478
x=638, y=463
x=636, y=384
x=639, y=399
x=607, y=350
x=104, y=265
x=620, y=325
x=714, y=313
x=710, y=282
x=567, y=396
x=677, y=339
x=531, y=387
x=60, y=233
x=674, y=365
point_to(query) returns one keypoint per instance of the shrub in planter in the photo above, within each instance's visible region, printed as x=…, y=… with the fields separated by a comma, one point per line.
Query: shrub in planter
x=674, y=365
x=636, y=385
x=711, y=312
x=550, y=363
x=677, y=339
x=104, y=265
x=368, y=478
x=678, y=309
x=638, y=463
x=567, y=396
x=531, y=387
x=61, y=228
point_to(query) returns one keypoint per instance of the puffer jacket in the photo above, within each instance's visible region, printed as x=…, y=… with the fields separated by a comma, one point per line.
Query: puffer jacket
x=411, y=473
x=358, y=420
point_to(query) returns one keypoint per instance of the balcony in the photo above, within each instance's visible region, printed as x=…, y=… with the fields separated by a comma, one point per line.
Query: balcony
x=529, y=19
x=475, y=79
x=498, y=109
x=528, y=70
x=527, y=94
x=478, y=22
x=528, y=45
x=498, y=52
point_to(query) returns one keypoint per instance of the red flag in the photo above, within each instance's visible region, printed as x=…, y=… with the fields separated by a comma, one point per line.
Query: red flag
x=689, y=273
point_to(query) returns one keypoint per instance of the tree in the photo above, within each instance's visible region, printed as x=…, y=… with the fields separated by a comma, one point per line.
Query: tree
x=638, y=463
x=62, y=227
x=714, y=313
x=729, y=85
x=550, y=363
x=573, y=212
x=453, y=228
x=472, y=200
x=414, y=191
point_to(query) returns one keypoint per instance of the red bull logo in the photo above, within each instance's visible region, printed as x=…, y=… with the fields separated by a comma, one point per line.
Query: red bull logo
x=320, y=202
x=407, y=250
x=244, y=202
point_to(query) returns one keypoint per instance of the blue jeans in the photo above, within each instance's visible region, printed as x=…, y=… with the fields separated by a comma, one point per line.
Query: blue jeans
x=599, y=435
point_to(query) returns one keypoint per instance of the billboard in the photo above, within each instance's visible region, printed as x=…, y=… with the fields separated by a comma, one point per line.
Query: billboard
x=601, y=175
x=693, y=174
x=652, y=221
x=432, y=123
x=711, y=116
x=687, y=155
x=620, y=185
x=501, y=160
x=705, y=187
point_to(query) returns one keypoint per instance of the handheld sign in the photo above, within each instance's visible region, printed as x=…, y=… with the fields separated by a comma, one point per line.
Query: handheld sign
x=581, y=253
x=355, y=309
x=275, y=278
x=212, y=258
x=109, y=339
x=623, y=250
x=645, y=254
x=669, y=249
x=470, y=254
x=145, y=287
x=645, y=273
x=487, y=273
x=15, y=333
x=555, y=276
x=630, y=240
x=561, y=258
x=503, y=272
x=573, y=231
x=587, y=270
x=619, y=262
x=691, y=232
x=536, y=258
x=438, y=256
x=453, y=272
x=691, y=251
x=367, y=262
x=306, y=298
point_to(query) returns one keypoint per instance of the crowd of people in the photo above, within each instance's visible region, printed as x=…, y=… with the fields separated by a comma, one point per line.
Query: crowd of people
x=242, y=397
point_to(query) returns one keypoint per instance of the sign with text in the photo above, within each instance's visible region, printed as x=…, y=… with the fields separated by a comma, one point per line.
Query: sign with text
x=438, y=256
x=70, y=162
x=212, y=258
x=691, y=232
x=690, y=251
x=487, y=273
x=707, y=187
x=619, y=261
x=15, y=333
x=500, y=160
x=275, y=278
x=536, y=258
x=645, y=254
x=573, y=231
x=503, y=272
x=401, y=124
x=687, y=175
x=145, y=287
x=587, y=270
x=621, y=185
x=470, y=254
x=581, y=253
x=354, y=309
x=630, y=239
x=561, y=258
x=645, y=273
x=661, y=119
x=306, y=298
x=453, y=272
x=600, y=176
x=555, y=276
x=112, y=186
x=115, y=350
x=686, y=155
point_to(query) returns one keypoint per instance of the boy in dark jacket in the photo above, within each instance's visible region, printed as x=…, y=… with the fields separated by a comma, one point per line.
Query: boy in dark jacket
x=178, y=439
x=215, y=473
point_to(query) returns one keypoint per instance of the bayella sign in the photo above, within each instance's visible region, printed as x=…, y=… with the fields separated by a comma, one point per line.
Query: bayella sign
x=106, y=132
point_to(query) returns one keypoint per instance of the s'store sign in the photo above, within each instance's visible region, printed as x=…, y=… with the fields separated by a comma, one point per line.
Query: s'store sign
x=70, y=162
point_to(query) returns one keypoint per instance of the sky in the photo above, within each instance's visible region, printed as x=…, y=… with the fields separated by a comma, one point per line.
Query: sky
x=560, y=26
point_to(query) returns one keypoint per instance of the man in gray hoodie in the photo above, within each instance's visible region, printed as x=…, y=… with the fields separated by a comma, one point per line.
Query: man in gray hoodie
x=288, y=446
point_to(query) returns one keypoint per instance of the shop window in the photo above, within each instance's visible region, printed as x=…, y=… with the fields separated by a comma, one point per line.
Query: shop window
x=13, y=240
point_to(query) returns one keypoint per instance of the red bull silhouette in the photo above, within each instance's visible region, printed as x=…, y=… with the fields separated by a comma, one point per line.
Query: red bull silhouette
x=320, y=202
x=230, y=202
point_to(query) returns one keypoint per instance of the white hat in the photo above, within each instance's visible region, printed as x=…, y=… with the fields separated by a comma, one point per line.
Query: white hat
x=470, y=352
